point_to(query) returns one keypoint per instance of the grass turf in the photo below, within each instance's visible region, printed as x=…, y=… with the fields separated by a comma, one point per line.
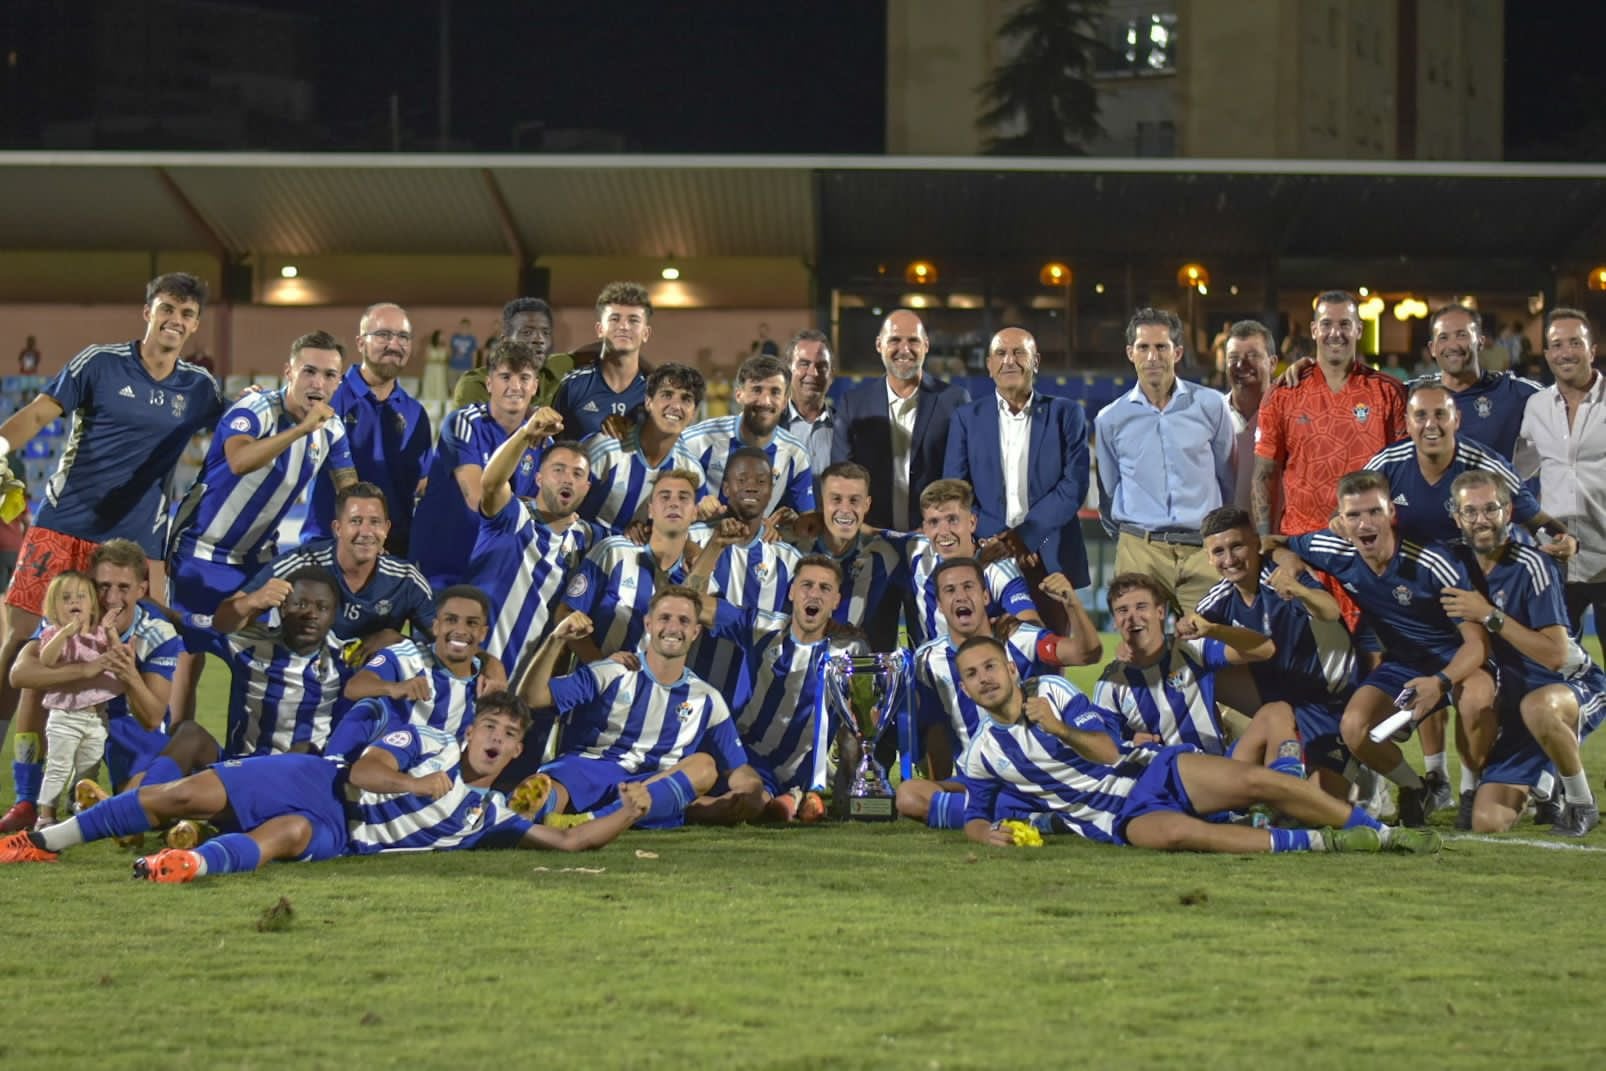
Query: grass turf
x=833, y=946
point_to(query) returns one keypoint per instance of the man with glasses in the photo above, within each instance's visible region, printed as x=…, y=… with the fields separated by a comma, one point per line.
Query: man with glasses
x=386, y=427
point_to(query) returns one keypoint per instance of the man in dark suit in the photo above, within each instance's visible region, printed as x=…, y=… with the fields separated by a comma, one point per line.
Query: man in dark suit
x=1025, y=455
x=897, y=426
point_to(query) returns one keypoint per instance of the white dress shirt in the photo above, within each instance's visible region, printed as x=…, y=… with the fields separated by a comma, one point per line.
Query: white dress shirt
x=1243, y=452
x=1571, y=464
x=902, y=412
x=1014, y=442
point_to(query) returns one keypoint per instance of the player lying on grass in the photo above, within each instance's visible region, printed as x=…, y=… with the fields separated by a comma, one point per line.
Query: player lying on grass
x=414, y=789
x=1052, y=753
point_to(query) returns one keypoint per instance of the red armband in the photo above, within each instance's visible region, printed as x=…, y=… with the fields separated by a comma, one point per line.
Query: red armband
x=1048, y=650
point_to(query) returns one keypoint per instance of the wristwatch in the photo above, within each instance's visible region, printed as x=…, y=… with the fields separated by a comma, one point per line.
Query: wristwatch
x=1494, y=622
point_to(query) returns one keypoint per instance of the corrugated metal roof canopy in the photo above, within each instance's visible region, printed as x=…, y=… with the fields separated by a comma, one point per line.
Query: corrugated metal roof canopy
x=791, y=206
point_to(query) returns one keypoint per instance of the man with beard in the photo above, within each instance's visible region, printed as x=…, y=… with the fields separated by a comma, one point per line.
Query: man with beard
x=386, y=428
x=268, y=448
x=527, y=548
x=659, y=724
x=415, y=789
x=432, y=685
x=1429, y=655
x=1049, y=757
x=622, y=467
x=946, y=718
x=762, y=386
x=753, y=572
x=1491, y=404
x=614, y=385
x=379, y=593
x=450, y=507
x=527, y=320
x=1551, y=696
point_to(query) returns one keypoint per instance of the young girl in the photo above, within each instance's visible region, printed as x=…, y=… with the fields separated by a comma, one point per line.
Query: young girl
x=75, y=734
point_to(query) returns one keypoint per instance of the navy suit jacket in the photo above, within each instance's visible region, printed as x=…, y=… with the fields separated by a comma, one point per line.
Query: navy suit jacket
x=863, y=434
x=1056, y=482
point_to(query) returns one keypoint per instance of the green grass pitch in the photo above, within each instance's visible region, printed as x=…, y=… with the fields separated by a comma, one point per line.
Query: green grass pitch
x=819, y=947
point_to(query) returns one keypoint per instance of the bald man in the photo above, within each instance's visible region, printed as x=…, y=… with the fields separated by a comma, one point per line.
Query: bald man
x=897, y=426
x=386, y=427
x=1025, y=455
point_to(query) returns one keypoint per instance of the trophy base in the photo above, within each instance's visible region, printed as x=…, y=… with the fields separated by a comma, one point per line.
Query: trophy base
x=871, y=809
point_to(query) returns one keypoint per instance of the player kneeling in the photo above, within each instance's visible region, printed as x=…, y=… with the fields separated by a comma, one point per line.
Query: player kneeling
x=413, y=789
x=1051, y=758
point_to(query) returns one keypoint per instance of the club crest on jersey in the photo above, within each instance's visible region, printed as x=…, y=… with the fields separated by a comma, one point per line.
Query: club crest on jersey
x=475, y=813
x=527, y=464
x=1362, y=411
x=351, y=419
x=398, y=739
x=1402, y=595
x=240, y=423
x=377, y=660
x=1484, y=406
x=577, y=586
x=1177, y=679
x=180, y=403
x=382, y=606
x=762, y=571
x=683, y=711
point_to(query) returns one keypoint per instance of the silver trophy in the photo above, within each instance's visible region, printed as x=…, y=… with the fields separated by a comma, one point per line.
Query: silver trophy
x=865, y=694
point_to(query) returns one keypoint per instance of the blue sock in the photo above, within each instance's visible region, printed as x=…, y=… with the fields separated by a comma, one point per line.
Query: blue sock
x=27, y=772
x=1289, y=840
x=230, y=853
x=947, y=810
x=670, y=796
x=1358, y=817
x=1292, y=765
x=120, y=816
x=162, y=770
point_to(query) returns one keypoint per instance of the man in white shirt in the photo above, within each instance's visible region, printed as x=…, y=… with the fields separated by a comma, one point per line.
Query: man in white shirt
x=1563, y=442
x=1250, y=362
x=811, y=416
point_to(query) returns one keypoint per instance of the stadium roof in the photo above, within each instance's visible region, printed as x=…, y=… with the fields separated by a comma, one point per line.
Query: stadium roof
x=711, y=206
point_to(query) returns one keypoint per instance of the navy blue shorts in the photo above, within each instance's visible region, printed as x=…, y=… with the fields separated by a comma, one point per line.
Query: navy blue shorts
x=1318, y=733
x=197, y=587
x=593, y=783
x=130, y=747
x=274, y=786
x=1390, y=678
x=1517, y=758
x=1158, y=788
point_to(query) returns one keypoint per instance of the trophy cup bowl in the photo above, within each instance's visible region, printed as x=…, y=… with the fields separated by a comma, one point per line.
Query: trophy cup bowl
x=865, y=695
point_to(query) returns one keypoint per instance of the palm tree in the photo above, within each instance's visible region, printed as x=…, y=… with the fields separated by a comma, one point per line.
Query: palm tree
x=1044, y=92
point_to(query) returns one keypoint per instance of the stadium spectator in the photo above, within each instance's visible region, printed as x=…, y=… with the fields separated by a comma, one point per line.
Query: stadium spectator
x=1164, y=461
x=615, y=383
x=1251, y=358
x=463, y=345
x=762, y=386
x=1491, y=404
x=386, y=428
x=133, y=408
x=1329, y=423
x=28, y=360
x=811, y=414
x=1563, y=443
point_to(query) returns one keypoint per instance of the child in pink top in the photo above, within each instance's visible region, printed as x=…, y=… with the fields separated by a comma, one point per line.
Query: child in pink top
x=75, y=732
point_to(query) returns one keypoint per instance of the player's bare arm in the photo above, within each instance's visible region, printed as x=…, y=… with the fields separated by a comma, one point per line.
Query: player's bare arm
x=242, y=607
x=246, y=453
x=1262, y=490
x=1243, y=645
x=537, y=687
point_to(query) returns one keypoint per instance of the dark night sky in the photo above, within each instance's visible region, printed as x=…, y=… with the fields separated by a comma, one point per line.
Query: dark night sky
x=706, y=76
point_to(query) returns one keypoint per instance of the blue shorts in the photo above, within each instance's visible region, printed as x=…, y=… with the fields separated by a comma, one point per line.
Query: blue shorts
x=130, y=748
x=1159, y=788
x=772, y=782
x=1517, y=758
x=274, y=786
x=197, y=587
x=1318, y=733
x=1390, y=678
x=593, y=783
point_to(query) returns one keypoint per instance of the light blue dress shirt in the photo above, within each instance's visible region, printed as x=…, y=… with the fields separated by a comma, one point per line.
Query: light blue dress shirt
x=1164, y=469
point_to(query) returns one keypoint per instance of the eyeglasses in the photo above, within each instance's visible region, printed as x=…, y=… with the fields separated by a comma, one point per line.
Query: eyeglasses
x=1472, y=513
x=388, y=337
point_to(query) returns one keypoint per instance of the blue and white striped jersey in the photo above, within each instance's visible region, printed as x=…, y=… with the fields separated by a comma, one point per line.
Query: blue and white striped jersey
x=445, y=523
x=450, y=706
x=631, y=718
x=233, y=520
x=1401, y=605
x=1006, y=588
x=277, y=698
x=395, y=596
x=523, y=566
x=621, y=477
x=713, y=441
x=872, y=569
x=1422, y=509
x=939, y=699
x=613, y=586
x=1175, y=698
x=753, y=577
x=1031, y=763
x=1315, y=660
x=777, y=723
x=465, y=817
x=128, y=431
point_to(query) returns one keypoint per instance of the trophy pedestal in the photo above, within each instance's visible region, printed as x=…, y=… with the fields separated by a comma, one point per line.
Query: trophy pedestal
x=871, y=809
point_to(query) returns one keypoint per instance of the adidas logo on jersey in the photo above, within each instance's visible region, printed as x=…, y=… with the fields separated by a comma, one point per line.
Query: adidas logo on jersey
x=589, y=407
x=126, y=392
x=1400, y=500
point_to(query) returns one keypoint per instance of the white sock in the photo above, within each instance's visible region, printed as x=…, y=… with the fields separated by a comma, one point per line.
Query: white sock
x=1469, y=778
x=1577, y=787
x=62, y=835
x=1435, y=763
x=1404, y=776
